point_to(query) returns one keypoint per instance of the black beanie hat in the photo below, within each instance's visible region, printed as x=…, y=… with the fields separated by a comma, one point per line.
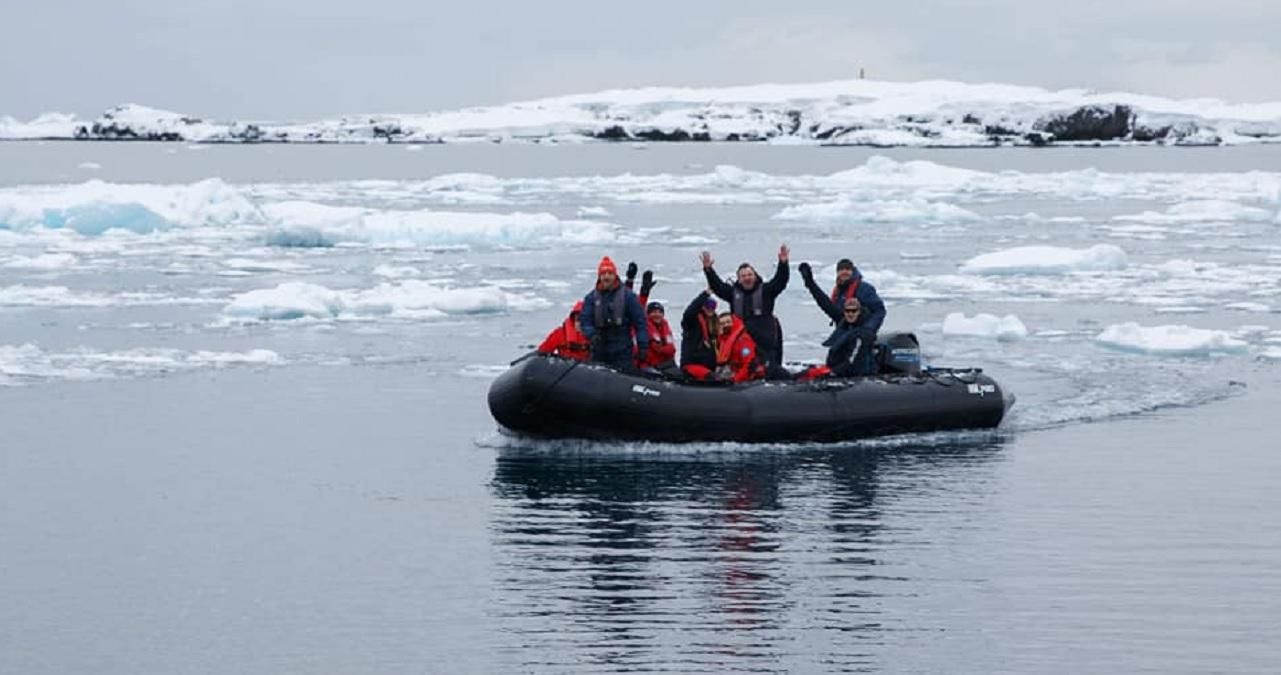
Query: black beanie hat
x=845, y=264
x=654, y=306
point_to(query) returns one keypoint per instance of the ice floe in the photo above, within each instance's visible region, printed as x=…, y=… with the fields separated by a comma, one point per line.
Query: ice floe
x=410, y=298
x=96, y=207
x=44, y=262
x=1202, y=211
x=1007, y=328
x=858, y=211
x=1047, y=260
x=1169, y=340
x=313, y=224
x=28, y=363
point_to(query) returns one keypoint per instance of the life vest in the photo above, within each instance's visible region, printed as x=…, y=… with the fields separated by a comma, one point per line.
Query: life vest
x=850, y=292
x=612, y=314
x=576, y=345
x=738, y=351
x=740, y=300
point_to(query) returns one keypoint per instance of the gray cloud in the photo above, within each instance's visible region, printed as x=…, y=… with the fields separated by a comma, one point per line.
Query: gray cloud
x=307, y=59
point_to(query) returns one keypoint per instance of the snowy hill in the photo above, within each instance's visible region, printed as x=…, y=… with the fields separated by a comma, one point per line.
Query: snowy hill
x=851, y=112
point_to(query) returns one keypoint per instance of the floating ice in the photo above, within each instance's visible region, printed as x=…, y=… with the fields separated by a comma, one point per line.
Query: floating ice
x=47, y=261
x=312, y=224
x=94, y=207
x=1202, y=211
x=1256, y=307
x=409, y=299
x=28, y=363
x=1171, y=340
x=1007, y=328
x=858, y=211
x=1047, y=260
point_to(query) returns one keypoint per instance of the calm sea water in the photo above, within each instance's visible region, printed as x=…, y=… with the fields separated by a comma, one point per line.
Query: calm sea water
x=356, y=511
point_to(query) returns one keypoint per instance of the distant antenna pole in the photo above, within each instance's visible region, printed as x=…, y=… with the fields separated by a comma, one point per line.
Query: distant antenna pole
x=860, y=72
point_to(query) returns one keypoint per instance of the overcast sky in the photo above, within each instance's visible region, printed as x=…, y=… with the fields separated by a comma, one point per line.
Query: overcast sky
x=300, y=59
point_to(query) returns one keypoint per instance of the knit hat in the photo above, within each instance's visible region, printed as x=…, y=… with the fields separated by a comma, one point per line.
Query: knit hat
x=606, y=264
x=844, y=264
x=654, y=306
x=709, y=303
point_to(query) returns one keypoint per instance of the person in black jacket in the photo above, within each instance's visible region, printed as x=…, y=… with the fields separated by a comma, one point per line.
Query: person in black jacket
x=850, y=346
x=753, y=301
x=611, y=316
x=699, y=335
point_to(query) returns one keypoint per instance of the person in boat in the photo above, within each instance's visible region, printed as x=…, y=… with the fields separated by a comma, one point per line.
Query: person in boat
x=699, y=331
x=851, y=284
x=737, y=358
x=752, y=301
x=567, y=340
x=613, y=321
x=662, y=346
x=850, y=347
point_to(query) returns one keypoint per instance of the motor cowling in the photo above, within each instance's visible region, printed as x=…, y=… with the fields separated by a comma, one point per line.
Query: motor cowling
x=898, y=353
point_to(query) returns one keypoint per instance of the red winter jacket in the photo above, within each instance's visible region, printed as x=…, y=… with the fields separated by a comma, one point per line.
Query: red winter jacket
x=738, y=351
x=567, y=340
x=662, y=346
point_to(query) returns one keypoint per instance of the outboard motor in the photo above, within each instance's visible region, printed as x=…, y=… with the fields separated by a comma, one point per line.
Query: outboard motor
x=898, y=353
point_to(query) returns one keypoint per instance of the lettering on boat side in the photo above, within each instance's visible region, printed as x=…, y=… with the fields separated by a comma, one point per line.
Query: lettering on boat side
x=982, y=389
x=645, y=391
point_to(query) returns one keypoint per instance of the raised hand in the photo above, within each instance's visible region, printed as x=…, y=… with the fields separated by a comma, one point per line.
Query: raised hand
x=784, y=253
x=647, y=282
x=807, y=272
x=706, y=259
x=631, y=270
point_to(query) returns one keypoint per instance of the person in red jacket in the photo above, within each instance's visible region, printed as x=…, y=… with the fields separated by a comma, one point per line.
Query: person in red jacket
x=567, y=340
x=662, y=345
x=736, y=357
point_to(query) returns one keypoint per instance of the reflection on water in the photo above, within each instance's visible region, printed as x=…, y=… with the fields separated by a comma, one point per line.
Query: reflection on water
x=751, y=561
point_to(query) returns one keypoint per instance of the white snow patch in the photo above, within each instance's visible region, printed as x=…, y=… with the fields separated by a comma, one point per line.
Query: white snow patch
x=593, y=212
x=89, y=166
x=1169, y=340
x=1007, y=328
x=1047, y=260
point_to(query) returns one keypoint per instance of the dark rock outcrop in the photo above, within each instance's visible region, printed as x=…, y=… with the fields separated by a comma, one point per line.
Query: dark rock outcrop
x=1090, y=123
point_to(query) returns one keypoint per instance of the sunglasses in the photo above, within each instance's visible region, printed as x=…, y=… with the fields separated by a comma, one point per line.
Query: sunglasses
x=853, y=311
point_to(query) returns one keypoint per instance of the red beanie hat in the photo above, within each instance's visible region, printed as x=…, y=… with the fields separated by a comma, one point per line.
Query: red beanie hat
x=606, y=264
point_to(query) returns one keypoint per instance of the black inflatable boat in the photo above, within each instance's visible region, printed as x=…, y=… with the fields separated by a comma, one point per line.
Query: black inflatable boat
x=558, y=398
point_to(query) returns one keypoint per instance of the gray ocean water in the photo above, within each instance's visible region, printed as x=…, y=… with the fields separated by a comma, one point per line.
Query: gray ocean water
x=350, y=507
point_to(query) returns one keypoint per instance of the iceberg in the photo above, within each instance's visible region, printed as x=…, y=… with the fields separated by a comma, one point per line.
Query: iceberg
x=932, y=113
x=1006, y=329
x=94, y=207
x=1047, y=260
x=1170, y=340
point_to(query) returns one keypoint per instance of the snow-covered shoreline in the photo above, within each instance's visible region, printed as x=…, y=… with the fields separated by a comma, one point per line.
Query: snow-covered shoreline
x=849, y=112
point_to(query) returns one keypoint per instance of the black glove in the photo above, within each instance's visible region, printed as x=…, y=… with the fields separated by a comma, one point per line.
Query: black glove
x=647, y=283
x=807, y=273
x=631, y=272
